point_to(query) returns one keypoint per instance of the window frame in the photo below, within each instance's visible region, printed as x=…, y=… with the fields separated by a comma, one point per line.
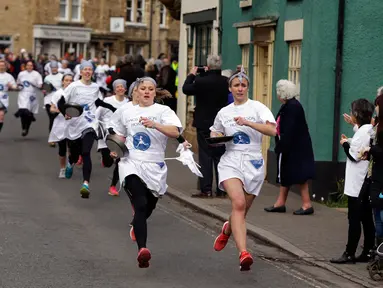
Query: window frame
x=66, y=18
x=245, y=56
x=131, y=11
x=142, y=9
x=163, y=15
x=79, y=5
x=203, y=42
x=295, y=62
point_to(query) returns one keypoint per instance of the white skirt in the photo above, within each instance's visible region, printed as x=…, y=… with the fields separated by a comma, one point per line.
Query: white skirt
x=59, y=129
x=28, y=101
x=153, y=174
x=249, y=168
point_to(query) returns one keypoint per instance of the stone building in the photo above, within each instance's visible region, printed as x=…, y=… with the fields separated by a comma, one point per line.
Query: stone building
x=88, y=28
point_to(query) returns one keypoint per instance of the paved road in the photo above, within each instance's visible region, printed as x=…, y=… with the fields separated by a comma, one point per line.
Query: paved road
x=50, y=237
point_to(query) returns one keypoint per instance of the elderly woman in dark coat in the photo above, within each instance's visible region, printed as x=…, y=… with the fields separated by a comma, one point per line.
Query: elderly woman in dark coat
x=294, y=150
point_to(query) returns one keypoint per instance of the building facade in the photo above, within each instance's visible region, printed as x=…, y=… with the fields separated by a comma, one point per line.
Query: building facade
x=199, y=37
x=89, y=28
x=302, y=41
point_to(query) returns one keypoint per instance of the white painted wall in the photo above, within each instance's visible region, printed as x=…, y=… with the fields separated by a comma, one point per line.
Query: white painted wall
x=189, y=6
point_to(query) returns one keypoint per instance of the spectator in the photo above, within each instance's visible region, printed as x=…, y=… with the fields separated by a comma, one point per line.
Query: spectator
x=128, y=72
x=294, y=150
x=210, y=91
x=167, y=80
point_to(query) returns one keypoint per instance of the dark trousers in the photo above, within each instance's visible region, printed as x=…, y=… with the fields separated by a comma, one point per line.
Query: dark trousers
x=360, y=211
x=144, y=202
x=62, y=148
x=208, y=156
x=26, y=118
x=108, y=161
x=51, y=116
x=82, y=146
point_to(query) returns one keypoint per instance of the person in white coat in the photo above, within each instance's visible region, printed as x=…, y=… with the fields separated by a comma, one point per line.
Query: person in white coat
x=55, y=79
x=103, y=115
x=29, y=82
x=7, y=82
x=101, y=74
x=241, y=169
x=60, y=124
x=355, y=186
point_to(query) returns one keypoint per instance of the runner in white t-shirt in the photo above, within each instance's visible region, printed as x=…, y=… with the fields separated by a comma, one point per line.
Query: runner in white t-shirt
x=103, y=115
x=241, y=168
x=81, y=131
x=146, y=128
x=29, y=82
x=7, y=82
x=59, y=127
x=55, y=79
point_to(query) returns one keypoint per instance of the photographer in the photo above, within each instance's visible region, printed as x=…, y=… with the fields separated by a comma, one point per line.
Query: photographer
x=210, y=90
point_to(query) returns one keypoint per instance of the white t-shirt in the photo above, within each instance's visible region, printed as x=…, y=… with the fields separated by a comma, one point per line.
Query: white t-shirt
x=77, y=72
x=84, y=95
x=56, y=81
x=5, y=80
x=28, y=96
x=65, y=71
x=246, y=139
x=357, y=171
x=47, y=67
x=104, y=114
x=146, y=146
x=101, y=75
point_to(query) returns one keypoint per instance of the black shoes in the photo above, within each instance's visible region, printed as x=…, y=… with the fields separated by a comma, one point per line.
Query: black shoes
x=272, y=209
x=202, y=195
x=365, y=257
x=344, y=259
x=302, y=211
x=282, y=209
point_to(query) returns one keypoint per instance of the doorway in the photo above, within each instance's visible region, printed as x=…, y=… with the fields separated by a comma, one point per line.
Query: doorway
x=263, y=72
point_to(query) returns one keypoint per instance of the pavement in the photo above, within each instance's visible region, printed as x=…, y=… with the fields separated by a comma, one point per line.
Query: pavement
x=315, y=239
x=50, y=237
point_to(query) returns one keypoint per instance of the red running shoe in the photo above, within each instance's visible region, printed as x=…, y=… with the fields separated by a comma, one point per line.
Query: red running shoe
x=143, y=258
x=245, y=261
x=222, y=239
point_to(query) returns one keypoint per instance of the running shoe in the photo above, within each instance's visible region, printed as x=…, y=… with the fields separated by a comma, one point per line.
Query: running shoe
x=79, y=161
x=62, y=173
x=245, y=261
x=222, y=239
x=84, y=191
x=52, y=144
x=113, y=191
x=68, y=171
x=143, y=258
x=131, y=234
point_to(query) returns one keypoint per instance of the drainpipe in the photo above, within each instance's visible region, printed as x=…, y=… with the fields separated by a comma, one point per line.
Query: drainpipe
x=338, y=80
x=151, y=28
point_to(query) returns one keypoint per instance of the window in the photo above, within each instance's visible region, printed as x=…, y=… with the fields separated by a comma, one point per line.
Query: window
x=203, y=44
x=140, y=11
x=76, y=10
x=245, y=57
x=129, y=49
x=135, y=10
x=163, y=13
x=129, y=11
x=64, y=9
x=295, y=49
x=134, y=48
x=70, y=9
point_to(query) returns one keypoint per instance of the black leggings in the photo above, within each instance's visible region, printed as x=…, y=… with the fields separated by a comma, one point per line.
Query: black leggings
x=26, y=118
x=51, y=116
x=82, y=146
x=62, y=148
x=108, y=161
x=144, y=202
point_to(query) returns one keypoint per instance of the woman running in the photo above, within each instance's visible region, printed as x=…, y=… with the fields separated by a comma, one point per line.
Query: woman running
x=241, y=168
x=59, y=127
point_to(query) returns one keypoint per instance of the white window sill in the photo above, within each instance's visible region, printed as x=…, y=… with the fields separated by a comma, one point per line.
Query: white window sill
x=134, y=24
x=245, y=3
x=162, y=26
x=67, y=21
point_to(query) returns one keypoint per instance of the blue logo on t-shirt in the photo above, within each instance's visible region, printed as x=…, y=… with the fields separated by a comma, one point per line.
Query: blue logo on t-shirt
x=241, y=138
x=5, y=96
x=257, y=163
x=26, y=84
x=141, y=141
x=1, y=87
x=86, y=107
x=32, y=98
